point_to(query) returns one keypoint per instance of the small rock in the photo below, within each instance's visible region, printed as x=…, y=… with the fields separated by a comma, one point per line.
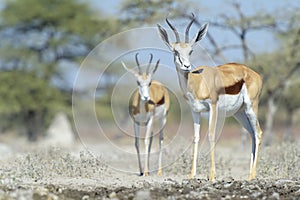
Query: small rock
x=85, y=197
x=5, y=150
x=112, y=195
x=227, y=185
x=228, y=180
x=275, y=195
x=227, y=197
x=143, y=195
x=41, y=191
x=60, y=133
x=52, y=197
x=256, y=195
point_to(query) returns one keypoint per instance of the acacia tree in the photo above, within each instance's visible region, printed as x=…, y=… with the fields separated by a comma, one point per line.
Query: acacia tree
x=277, y=68
x=140, y=12
x=51, y=32
x=291, y=104
x=38, y=37
x=28, y=103
x=280, y=69
x=240, y=25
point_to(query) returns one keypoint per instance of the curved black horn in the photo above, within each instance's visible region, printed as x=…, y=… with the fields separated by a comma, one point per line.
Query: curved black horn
x=174, y=30
x=188, y=28
x=148, y=67
x=138, y=64
x=155, y=68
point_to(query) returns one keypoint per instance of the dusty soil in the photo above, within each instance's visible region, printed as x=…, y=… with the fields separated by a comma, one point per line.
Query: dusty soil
x=34, y=172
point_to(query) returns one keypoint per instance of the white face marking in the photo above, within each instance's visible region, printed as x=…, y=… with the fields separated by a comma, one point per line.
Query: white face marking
x=182, y=53
x=144, y=83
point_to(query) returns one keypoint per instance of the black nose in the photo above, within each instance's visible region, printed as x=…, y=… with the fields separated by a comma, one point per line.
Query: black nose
x=147, y=98
x=187, y=66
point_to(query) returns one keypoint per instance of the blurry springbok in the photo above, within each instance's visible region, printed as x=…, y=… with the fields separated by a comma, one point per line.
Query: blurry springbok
x=150, y=101
x=233, y=88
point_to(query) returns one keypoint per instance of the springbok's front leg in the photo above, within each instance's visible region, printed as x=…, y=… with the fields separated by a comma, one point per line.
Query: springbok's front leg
x=161, y=140
x=213, y=115
x=148, y=145
x=196, y=119
x=137, y=145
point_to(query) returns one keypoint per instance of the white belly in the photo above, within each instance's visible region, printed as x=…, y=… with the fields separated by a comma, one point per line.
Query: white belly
x=143, y=117
x=229, y=104
x=160, y=111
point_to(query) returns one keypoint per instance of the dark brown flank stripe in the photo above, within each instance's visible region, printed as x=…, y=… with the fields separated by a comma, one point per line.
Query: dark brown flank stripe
x=234, y=89
x=161, y=102
x=136, y=110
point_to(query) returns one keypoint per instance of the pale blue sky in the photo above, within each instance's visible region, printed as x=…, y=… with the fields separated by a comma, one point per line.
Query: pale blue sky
x=212, y=7
x=210, y=10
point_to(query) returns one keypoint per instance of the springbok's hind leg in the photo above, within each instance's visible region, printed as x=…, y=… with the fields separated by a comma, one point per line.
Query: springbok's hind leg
x=148, y=145
x=137, y=145
x=161, y=140
x=249, y=121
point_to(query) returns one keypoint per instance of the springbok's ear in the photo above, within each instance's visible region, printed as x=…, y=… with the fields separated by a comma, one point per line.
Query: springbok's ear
x=201, y=34
x=163, y=35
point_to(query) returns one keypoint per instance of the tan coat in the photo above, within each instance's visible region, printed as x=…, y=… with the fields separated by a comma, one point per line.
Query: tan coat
x=209, y=82
x=159, y=95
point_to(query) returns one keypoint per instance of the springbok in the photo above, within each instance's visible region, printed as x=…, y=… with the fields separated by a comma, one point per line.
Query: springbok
x=150, y=102
x=232, y=88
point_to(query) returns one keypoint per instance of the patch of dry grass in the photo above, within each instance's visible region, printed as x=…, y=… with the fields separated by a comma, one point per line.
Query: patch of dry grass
x=54, y=163
x=280, y=161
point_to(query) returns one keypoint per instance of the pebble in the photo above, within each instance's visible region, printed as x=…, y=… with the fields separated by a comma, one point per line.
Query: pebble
x=85, y=197
x=227, y=185
x=112, y=195
x=275, y=195
x=143, y=195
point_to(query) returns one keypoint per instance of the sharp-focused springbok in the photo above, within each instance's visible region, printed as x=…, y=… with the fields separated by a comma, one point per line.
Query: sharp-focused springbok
x=150, y=102
x=232, y=88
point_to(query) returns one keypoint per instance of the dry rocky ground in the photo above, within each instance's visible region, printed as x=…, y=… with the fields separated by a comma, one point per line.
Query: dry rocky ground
x=32, y=172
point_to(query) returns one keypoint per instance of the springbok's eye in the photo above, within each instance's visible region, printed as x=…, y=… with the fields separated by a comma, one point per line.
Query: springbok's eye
x=149, y=84
x=176, y=52
x=138, y=83
x=190, y=52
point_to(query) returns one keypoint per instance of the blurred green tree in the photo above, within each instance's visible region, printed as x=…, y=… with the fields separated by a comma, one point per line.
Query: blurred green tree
x=280, y=70
x=38, y=37
x=141, y=12
x=28, y=103
x=291, y=103
x=53, y=31
x=277, y=68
